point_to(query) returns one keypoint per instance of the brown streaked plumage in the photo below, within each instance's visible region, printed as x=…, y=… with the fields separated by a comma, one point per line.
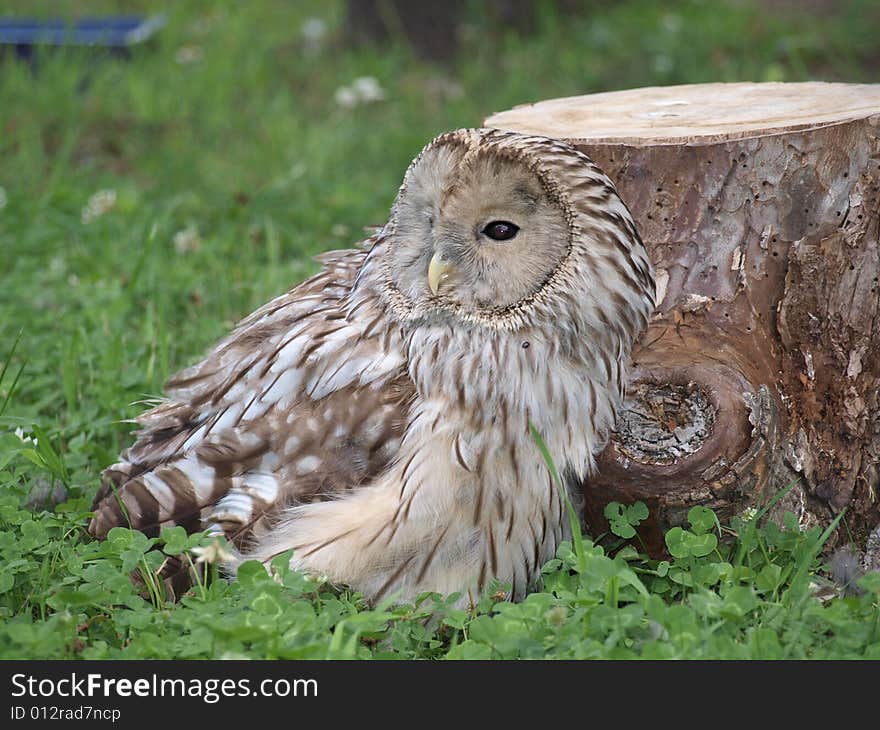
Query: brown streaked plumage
x=375, y=418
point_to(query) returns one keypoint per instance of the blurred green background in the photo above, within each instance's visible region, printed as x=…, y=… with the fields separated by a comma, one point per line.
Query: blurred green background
x=148, y=202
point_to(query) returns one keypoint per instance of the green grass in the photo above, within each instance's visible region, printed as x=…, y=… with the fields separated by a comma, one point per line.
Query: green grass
x=231, y=165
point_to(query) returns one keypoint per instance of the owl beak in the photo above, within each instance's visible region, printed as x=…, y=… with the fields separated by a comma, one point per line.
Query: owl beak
x=438, y=272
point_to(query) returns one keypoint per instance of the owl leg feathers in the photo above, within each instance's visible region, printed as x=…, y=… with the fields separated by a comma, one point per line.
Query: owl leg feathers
x=379, y=539
x=343, y=539
x=433, y=522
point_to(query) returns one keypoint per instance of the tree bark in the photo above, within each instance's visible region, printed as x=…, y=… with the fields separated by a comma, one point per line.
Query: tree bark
x=760, y=207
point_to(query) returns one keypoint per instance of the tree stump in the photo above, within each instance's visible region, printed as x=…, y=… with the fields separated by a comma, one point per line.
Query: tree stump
x=760, y=207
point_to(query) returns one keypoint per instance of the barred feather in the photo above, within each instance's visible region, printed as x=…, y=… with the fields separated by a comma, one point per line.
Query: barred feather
x=261, y=423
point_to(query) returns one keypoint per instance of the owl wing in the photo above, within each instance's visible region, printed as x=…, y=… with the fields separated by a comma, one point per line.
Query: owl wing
x=305, y=399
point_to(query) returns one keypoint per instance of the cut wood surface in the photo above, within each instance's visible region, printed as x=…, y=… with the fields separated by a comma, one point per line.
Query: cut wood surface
x=760, y=207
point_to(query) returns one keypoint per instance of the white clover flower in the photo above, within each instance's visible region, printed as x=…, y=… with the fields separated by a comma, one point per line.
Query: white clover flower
x=314, y=30
x=187, y=240
x=340, y=230
x=214, y=552
x=99, y=204
x=25, y=438
x=363, y=90
x=346, y=97
x=368, y=89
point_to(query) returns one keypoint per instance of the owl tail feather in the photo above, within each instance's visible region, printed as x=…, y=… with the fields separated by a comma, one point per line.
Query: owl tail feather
x=135, y=498
x=147, y=500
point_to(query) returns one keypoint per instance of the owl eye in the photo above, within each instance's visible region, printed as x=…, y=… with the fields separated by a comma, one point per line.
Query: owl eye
x=501, y=230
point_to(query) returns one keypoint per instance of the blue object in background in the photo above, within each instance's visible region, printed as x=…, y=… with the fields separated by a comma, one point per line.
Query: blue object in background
x=112, y=32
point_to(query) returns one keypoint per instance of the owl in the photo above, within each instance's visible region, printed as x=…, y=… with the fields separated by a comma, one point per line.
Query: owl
x=377, y=419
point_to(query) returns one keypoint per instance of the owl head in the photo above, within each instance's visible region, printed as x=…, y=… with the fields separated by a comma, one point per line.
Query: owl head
x=495, y=228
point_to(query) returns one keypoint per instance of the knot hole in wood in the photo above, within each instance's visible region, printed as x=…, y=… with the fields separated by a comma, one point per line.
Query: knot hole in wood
x=664, y=422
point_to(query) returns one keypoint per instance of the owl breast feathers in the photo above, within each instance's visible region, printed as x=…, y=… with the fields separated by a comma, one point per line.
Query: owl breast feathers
x=376, y=418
